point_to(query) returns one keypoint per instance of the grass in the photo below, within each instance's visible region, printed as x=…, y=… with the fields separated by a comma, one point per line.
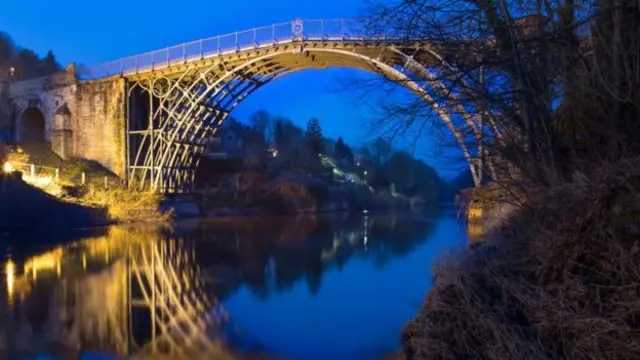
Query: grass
x=560, y=281
x=102, y=189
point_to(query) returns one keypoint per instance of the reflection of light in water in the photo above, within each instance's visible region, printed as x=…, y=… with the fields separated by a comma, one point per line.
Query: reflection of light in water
x=366, y=231
x=163, y=274
x=48, y=261
x=107, y=247
x=10, y=271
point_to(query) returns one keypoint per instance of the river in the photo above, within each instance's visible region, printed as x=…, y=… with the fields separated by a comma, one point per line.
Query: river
x=335, y=287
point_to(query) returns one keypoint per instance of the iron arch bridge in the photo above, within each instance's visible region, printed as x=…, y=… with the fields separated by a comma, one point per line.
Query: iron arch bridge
x=180, y=95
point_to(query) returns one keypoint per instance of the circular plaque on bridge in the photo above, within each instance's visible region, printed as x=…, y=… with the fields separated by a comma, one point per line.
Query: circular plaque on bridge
x=297, y=29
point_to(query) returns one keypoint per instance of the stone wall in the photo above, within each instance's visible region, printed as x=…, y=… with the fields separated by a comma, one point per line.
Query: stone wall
x=26, y=94
x=85, y=120
x=99, y=126
x=52, y=102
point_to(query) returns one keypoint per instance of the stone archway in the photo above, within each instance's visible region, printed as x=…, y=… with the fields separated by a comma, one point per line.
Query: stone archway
x=32, y=126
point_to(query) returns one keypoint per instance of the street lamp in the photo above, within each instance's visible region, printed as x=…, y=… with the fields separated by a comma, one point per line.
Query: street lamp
x=12, y=71
x=8, y=168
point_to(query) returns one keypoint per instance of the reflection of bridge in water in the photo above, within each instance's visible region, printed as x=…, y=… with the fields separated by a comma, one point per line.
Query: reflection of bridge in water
x=148, y=294
x=133, y=285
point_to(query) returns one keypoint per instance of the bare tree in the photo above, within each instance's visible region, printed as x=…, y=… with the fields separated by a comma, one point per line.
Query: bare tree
x=550, y=85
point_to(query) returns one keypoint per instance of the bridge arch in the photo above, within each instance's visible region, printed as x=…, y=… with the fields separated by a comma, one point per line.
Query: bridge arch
x=32, y=126
x=191, y=101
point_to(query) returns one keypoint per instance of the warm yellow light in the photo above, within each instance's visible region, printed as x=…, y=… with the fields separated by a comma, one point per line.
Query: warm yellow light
x=10, y=272
x=47, y=261
x=8, y=168
x=39, y=181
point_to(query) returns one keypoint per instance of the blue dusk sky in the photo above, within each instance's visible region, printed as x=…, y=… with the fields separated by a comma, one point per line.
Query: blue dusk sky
x=92, y=32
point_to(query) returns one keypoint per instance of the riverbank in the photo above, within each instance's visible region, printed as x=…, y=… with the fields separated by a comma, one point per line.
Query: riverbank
x=95, y=189
x=298, y=194
x=23, y=207
x=83, y=193
x=27, y=207
x=571, y=252
x=60, y=205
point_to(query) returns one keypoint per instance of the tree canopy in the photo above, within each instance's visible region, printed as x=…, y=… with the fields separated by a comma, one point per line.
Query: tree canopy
x=382, y=167
x=314, y=135
x=26, y=64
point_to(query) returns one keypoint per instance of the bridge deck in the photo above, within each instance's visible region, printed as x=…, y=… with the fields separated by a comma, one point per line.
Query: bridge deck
x=370, y=48
x=338, y=32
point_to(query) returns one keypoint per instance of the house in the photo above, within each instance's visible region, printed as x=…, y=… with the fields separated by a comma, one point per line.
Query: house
x=226, y=143
x=222, y=159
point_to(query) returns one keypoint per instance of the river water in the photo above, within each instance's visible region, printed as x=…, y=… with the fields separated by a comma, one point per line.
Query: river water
x=336, y=287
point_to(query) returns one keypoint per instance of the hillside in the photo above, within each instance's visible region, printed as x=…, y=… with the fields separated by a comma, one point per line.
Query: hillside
x=23, y=206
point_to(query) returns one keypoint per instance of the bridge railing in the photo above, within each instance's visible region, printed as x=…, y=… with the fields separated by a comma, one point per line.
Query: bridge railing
x=287, y=32
x=45, y=176
x=282, y=33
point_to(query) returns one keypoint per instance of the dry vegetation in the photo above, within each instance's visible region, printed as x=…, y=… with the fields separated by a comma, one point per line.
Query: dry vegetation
x=17, y=156
x=105, y=190
x=124, y=205
x=560, y=281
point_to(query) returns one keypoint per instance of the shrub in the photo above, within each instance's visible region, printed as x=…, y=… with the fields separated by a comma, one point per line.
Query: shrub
x=124, y=205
